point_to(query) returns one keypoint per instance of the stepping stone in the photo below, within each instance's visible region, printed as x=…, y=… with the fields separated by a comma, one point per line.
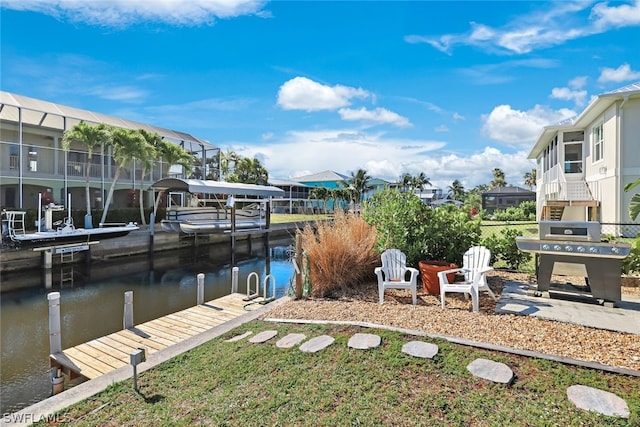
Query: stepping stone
x=364, y=341
x=317, y=344
x=290, y=340
x=490, y=370
x=600, y=401
x=239, y=337
x=263, y=336
x=421, y=349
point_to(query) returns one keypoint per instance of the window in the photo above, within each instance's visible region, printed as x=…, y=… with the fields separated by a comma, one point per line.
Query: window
x=33, y=159
x=573, y=158
x=14, y=157
x=598, y=143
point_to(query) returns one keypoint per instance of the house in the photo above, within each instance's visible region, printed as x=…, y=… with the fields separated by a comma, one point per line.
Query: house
x=584, y=163
x=32, y=160
x=505, y=197
x=295, y=199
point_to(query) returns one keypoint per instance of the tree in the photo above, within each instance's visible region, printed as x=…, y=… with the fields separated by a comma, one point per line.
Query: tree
x=173, y=154
x=228, y=161
x=92, y=137
x=498, y=178
x=148, y=153
x=530, y=178
x=320, y=193
x=249, y=171
x=634, y=206
x=456, y=190
x=358, y=184
x=125, y=145
x=419, y=181
x=406, y=181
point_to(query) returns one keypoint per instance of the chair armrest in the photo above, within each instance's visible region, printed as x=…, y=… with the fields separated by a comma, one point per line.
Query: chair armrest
x=485, y=270
x=380, y=273
x=442, y=275
x=414, y=274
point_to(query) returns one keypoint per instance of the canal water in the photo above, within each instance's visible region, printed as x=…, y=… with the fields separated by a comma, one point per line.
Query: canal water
x=92, y=304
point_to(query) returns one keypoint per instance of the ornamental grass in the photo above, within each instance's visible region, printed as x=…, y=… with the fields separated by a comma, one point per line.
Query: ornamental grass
x=340, y=253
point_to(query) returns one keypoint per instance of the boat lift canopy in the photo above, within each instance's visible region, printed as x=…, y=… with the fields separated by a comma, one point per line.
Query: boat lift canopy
x=217, y=187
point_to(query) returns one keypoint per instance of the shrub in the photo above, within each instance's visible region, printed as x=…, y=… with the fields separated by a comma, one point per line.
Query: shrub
x=402, y=221
x=503, y=248
x=631, y=264
x=340, y=254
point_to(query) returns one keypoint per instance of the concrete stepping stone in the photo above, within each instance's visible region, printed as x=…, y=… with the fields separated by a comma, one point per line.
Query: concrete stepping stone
x=239, y=337
x=263, y=336
x=317, y=344
x=420, y=349
x=490, y=370
x=600, y=401
x=364, y=341
x=290, y=340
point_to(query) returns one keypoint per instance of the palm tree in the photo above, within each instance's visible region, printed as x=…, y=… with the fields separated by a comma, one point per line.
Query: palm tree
x=320, y=193
x=530, y=178
x=249, y=171
x=419, y=181
x=173, y=154
x=92, y=137
x=228, y=161
x=634, y=206
x=406, y=181
x=456, y=190
x=498, y=178
x=359, y=185
x=148, y=153
x=125, y=145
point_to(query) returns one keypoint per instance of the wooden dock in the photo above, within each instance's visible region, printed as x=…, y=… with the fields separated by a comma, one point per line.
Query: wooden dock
x=102, y=355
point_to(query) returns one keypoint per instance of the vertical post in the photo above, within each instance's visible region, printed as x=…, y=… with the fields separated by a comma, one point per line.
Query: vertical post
x=299, y=263
x=234, y=280
x=47, y=255
x=200, y=288
x=152, y=230
x=127, y=321
x=39, y=228
x=55, y=339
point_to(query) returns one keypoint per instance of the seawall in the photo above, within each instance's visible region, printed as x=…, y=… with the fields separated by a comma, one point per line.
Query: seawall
x=140, y=242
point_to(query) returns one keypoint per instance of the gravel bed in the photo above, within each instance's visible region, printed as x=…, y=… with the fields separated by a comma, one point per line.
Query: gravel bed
x=522, y=332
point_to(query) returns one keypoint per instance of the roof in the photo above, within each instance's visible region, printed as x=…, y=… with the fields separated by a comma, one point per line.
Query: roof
x=285, y=183
x=217, y=187
x=47, y=114
x=597, y=106
x=322, y=176
x=510, y=190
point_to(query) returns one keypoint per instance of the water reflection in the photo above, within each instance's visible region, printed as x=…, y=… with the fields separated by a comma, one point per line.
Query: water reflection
x=92, y=301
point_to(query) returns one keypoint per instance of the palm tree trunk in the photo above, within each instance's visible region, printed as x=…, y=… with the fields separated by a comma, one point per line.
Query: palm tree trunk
x=116, y=175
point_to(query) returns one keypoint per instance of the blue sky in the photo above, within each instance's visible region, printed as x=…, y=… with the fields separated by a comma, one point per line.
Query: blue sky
x=452, y=89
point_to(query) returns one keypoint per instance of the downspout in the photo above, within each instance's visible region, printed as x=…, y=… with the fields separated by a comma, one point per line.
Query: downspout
x=617, y=175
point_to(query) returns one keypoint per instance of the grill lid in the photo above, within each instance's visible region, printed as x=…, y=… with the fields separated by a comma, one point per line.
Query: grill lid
x=583, y=231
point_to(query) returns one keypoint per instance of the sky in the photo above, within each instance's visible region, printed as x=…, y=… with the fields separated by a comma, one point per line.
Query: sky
x=453, y=89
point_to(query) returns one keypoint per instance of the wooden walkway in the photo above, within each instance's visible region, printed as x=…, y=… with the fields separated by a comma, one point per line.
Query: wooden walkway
x=102, y=355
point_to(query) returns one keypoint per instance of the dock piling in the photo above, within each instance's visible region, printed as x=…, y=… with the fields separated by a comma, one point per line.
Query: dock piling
x=200, y=288
x=55, y=341
x=128, y=310
x=234, y=280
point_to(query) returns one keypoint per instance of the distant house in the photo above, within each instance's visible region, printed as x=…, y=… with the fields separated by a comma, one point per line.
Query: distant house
x=295, y=199
x=584, y=163
x=505, y=197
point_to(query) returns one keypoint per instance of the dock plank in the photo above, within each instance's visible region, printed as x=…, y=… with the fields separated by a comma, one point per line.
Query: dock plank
x=105, y=354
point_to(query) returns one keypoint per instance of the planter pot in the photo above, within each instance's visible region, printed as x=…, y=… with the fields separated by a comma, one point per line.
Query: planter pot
x=429, y=275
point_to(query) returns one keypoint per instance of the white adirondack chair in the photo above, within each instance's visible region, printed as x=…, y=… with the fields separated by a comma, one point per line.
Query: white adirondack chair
x=393, y=274
x=475, y=265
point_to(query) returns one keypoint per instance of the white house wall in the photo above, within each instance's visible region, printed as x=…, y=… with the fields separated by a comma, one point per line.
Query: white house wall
x=629, y=155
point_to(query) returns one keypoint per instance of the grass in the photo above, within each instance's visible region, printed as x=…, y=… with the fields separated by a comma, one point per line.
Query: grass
x=284, y=218
x=245, y=384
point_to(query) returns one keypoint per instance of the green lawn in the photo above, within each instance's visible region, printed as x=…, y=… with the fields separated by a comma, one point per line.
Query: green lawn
x=245, y=384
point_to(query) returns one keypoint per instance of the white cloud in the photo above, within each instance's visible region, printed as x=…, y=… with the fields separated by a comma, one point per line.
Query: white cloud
x=552, y=25
x=621, y=74
x=378, y=116
x=564, y=93
x=344, y=150
x=520, y=128
x=301, y=93
x=124, y=13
